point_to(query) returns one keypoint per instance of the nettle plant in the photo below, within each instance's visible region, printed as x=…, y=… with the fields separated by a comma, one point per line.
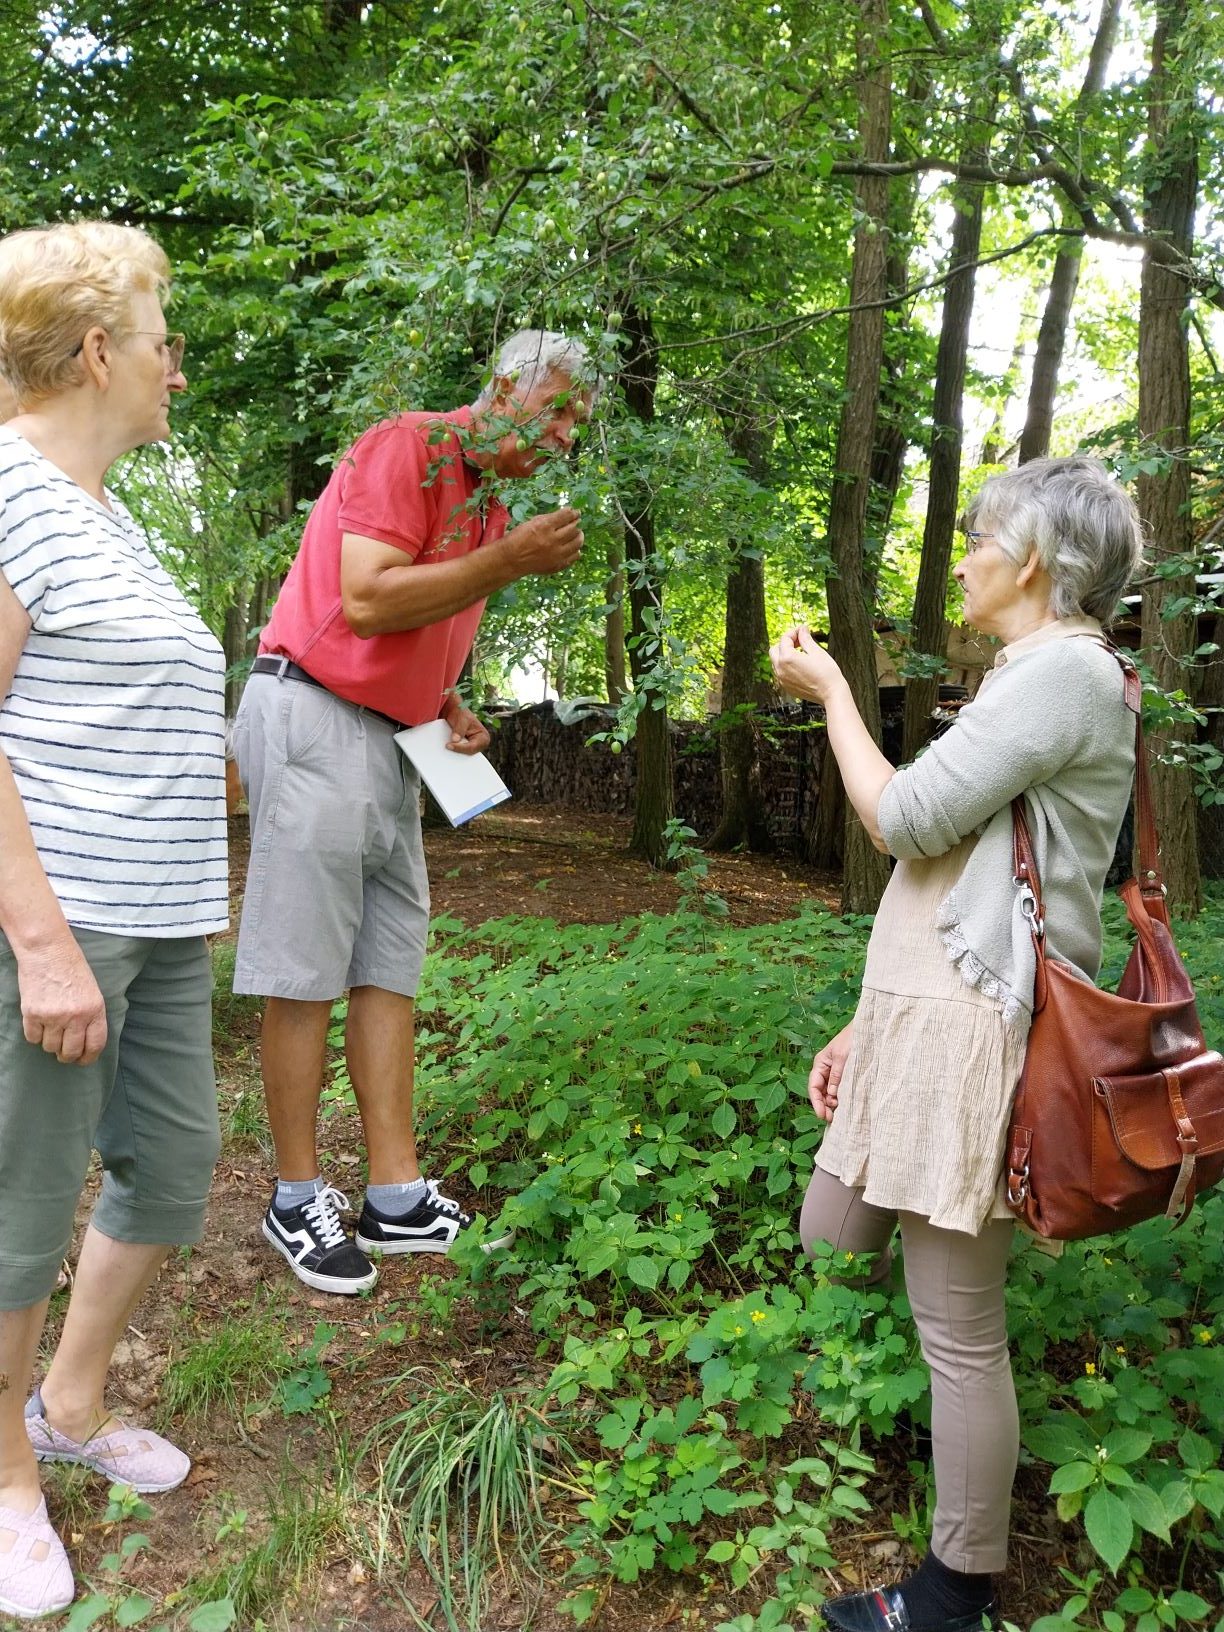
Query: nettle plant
x=636, y=1092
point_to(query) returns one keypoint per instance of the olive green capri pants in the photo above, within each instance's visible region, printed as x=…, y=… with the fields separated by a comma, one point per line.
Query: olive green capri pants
x=148, y=1105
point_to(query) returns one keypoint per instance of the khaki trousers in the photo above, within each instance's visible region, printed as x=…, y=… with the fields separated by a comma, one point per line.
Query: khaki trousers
x=955, y=1285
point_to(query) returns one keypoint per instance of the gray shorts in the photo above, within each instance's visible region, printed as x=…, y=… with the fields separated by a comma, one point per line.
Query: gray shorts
x=147, y=1105
x=336, y=893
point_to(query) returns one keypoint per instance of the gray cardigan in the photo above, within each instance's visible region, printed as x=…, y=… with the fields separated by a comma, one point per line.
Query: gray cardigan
x=1050, y=721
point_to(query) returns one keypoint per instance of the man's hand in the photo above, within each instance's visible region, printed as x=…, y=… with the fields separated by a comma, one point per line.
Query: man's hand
x=826, y=1073
x=62, y=1010
x=545, y=544
x=468, y=735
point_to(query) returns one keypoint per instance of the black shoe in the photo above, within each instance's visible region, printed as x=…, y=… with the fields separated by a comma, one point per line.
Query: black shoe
x=883, y=1610
x=433, y=1225
x=313, y=1241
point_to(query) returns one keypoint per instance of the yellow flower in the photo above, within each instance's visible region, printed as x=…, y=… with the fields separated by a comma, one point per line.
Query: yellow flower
x=1203, y=1335
x=739, y=1331
x=1120, y=1348
x=678, y=1218
x=1090, y=1369
x=637, y=1127
x=758, y=1315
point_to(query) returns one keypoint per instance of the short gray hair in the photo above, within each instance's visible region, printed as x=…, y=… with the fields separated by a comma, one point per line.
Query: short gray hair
x=532, y=355
x=1082, y=523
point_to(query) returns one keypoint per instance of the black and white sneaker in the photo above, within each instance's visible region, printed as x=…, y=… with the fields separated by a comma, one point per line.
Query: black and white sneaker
x=313, y=1241
x=433, y=1225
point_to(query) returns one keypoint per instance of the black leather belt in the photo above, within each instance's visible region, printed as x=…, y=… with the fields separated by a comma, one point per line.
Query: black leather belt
x=283, y=669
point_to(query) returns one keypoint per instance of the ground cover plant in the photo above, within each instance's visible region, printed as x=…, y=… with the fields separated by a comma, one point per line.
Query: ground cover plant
x=638, y=1089
x=648, y=1413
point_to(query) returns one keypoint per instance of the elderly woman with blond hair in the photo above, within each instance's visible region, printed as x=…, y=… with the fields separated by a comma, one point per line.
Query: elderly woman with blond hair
x=112, y=869
x=917, y=1090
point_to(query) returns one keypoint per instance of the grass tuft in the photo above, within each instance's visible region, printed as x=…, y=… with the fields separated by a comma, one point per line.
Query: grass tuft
x=458, y=1483
x=235, y=1366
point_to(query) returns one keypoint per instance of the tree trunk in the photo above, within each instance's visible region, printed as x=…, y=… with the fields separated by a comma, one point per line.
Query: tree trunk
x=895, y=414
x=654, y=801
x=1209, y=697
x=929, y=630
x=1164, y=424
x=852, y=641
x=1055, y=319
x=615, y=677
x=745, y=686
x=234, y=643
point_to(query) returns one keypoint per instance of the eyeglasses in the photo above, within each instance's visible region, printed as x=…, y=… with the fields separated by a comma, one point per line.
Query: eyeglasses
x=974, y=541
x=172, y=346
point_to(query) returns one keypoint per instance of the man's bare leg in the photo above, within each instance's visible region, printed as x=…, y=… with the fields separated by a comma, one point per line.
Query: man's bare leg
x=293, y=1051
x=378, y=1043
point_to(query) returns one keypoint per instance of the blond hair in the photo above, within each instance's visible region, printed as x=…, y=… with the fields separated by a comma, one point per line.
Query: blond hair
x=57, y=283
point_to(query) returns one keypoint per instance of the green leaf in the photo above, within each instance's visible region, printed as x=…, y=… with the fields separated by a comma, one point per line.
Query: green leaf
x=134, y=1608
x=643, y=1272
x=1074, y=1476
x=723, y=1121
x=1196, y=1452
x=1110, y=1527
x=1189, y=1605
x=721, y=1552
x=1134, y=1600
x=1147, y=1510
x=217, y=1616
x=1059, y=1439
x=86, y=1611
x=1126, y=1445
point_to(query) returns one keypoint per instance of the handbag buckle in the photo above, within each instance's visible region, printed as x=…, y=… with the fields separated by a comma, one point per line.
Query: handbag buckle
x=1028, y=906
x=1017, y=1186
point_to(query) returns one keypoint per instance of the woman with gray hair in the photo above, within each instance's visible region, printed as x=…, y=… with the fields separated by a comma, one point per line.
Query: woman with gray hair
x=917, y=1090
x=112, y=869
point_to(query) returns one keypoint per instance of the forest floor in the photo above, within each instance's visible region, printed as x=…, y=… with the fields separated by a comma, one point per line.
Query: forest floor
x=273, y=1481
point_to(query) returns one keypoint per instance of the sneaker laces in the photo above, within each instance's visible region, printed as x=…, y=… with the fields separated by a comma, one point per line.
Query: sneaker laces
x=444, y=1204
x=321, y=1214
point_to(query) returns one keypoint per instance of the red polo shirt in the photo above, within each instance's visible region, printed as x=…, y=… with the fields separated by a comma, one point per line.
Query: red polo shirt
x=404, y=482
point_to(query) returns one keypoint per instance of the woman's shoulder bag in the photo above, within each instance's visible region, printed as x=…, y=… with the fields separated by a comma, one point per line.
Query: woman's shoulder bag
x=1119, y=1113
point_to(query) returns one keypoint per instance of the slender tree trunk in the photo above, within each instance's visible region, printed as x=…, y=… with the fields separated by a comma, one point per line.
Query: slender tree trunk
x=1209, y=697
x=852, y=640
x=896, y=415
x=1164, y=423
x=929, y=636
x=654, y=802
x=234, y=643
x=1055, y=319
x=745, y=685
x=615, y=676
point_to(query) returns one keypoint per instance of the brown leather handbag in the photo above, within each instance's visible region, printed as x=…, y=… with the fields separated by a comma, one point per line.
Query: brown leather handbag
x=1119, y=1114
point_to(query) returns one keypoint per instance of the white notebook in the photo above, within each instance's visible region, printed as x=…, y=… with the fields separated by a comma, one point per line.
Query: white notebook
x=463, y=784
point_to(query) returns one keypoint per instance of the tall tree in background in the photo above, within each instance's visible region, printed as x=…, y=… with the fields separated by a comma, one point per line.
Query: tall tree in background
x=1056, y=315
x=745, y=683
x=851, y=636
x=1164, y=424
x=654, y=805
x=929, y=627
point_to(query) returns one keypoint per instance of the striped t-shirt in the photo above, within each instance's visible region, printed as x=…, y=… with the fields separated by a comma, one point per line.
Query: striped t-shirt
x=114, y=722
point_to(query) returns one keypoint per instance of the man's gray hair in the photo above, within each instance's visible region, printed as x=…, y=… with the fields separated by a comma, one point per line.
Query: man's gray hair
x=532, y=355
x=1082, y=523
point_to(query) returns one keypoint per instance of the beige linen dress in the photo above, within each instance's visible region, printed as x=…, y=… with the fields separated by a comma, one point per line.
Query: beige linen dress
x=924, y=1101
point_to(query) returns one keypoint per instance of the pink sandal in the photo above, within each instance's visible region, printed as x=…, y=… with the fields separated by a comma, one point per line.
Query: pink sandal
x=128, y=1456
x=35, y=1575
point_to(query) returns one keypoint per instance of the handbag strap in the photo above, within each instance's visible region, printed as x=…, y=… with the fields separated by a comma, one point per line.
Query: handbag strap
x=1150, y=878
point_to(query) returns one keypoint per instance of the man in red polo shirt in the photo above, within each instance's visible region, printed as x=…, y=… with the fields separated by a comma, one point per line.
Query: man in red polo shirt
x=370, y=633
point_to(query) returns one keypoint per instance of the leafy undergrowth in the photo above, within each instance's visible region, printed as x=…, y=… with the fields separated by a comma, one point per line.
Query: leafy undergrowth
x=638, y=1091
x=649, y=1411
